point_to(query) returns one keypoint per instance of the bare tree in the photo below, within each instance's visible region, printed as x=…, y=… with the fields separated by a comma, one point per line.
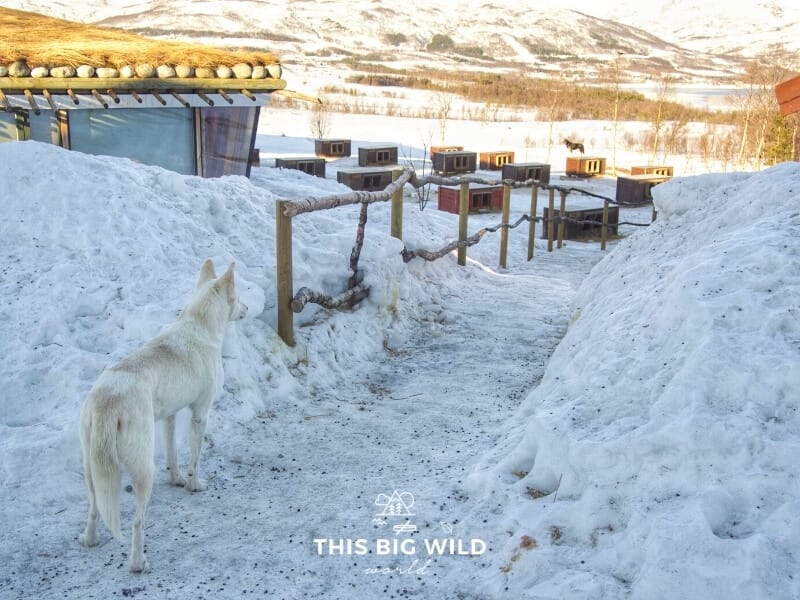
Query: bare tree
x=758, y=106
x=444, y=106
x=320, y=119
x=663, y=93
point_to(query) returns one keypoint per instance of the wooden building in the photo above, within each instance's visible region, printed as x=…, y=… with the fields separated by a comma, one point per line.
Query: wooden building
x=332, y=148
x=652, y=170
x=377, y=156
x=525, y=171
x=585, y=166
x=454, y=162
x=636, y=189
x=435, y=149
x=494, y=161
x=184, y=116
x=365, y=179
x=788, y=95
x=482, y=198
x=576, y=231
x=312, y=166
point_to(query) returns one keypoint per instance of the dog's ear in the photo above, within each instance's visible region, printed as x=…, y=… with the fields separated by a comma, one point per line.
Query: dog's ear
x=207, y=272
x=227, y=276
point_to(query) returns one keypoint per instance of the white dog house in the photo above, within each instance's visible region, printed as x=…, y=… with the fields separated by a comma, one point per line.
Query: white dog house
x=189, y=108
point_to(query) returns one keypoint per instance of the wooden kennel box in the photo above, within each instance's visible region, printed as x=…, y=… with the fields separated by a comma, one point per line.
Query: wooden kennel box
x=312, y=166
x=524, y=171
x=365, y=179
x=332, y=148
x=585, y=166
x=576, y=231
x=376, y=156
x=454, y=162
x=494, y=161
x=652, y=170
x=636, y=189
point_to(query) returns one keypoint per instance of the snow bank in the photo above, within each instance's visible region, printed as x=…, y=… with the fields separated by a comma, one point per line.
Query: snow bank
x=659, y=456
x=99, y=254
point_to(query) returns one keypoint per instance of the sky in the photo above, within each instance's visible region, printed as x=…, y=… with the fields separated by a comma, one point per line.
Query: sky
x=589, y=424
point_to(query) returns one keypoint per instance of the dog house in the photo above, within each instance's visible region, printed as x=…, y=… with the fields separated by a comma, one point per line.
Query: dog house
x=365, y=179
x=539, y=172
x=329, y=148
x=585, y=166
x=636, y=189
x=376, y=156
x=180, y=115
x=446, y=149
x=652, y=170
x=584, y=222
x=312, y=166
x=494, y=161
x=454, y=162
x=482, y=198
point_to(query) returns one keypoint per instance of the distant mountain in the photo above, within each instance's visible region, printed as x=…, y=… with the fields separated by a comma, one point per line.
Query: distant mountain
x=696, y=41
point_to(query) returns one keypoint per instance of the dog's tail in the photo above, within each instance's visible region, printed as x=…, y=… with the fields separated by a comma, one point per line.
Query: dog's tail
x=105, y=466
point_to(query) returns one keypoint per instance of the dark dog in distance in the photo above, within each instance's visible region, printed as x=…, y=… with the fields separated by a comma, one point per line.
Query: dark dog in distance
x=572, y=146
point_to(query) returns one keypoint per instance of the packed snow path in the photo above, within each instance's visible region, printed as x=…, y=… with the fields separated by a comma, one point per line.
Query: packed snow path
x=413, y=424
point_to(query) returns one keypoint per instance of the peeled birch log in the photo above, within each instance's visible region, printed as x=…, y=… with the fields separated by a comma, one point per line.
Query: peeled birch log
x=311, y=204
x=308, y=296
x=470, y=241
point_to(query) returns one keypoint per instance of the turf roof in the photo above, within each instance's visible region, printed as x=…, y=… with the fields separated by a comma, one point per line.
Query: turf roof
x=49, y=42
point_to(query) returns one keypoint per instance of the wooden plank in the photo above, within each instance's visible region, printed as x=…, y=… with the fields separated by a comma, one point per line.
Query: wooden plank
x=86, y=84
x=788, y=95
x=463, y=222
x=285, y=279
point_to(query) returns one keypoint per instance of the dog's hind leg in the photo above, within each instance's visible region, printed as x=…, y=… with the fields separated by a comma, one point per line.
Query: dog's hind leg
x=89, y=535
x=136, y=452
x=142, y=485
x=170, y=449
x=198, y=429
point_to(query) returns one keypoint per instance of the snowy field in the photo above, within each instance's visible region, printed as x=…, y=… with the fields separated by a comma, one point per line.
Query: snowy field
x=618, y=424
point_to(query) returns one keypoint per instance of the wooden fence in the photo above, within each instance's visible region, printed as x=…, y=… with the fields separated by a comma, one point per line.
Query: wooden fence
x=290, y=302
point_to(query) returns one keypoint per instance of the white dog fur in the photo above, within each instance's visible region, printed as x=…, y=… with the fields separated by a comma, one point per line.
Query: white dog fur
x=176, y=369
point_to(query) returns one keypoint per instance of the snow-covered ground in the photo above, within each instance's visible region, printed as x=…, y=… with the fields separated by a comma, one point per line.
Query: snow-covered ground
x=584, y=425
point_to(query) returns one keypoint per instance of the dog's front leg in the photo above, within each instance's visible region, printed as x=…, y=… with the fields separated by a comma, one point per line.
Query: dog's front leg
x=198, y=429
x=175, y=475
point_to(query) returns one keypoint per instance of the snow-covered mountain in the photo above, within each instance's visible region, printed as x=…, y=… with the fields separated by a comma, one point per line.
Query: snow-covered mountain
x=695, y=40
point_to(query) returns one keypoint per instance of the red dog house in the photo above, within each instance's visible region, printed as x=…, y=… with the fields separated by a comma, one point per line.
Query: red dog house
x=585, y=166
x=482, y=198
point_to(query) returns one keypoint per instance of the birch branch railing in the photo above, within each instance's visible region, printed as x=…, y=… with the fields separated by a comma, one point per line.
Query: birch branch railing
x=289, y=303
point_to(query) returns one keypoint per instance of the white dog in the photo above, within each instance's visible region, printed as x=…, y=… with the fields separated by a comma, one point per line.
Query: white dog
x=178, y=368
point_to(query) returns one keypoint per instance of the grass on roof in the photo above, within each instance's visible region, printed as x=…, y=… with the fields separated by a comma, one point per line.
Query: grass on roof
x=48, y=42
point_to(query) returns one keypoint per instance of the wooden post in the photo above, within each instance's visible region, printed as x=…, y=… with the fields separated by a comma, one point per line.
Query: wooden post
x=532, y=224
x=561, y=214
x=504, y=222
x=284, y=284
x=397, y=209
x=604, y=226
x=551, y=209
x=463, y=216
